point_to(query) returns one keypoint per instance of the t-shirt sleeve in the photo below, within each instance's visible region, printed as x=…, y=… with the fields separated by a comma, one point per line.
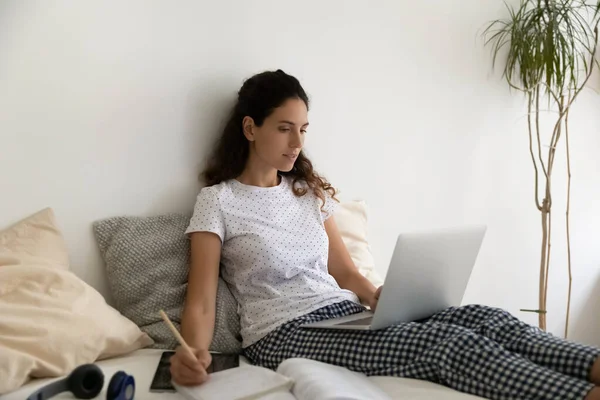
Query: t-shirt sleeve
x=329, y=207
x=207, y=216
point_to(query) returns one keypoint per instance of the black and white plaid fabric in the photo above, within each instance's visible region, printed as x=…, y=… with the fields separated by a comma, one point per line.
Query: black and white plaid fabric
x=474, y=349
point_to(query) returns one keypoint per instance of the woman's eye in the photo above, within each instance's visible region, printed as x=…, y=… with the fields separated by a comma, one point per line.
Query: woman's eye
x=303, y=131
x=283, y=129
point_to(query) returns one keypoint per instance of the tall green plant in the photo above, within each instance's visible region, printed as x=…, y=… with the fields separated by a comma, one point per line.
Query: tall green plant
x=549, y=52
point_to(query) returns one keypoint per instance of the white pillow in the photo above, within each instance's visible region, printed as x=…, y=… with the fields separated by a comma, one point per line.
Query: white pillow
x=351, y=218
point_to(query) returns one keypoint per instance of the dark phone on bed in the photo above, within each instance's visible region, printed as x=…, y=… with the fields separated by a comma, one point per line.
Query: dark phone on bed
x=162, y=377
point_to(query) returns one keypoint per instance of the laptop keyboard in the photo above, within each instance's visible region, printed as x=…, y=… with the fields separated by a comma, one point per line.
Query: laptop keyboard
x=360, y=322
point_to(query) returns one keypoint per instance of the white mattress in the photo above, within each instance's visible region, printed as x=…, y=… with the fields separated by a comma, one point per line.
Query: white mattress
x=142, y=364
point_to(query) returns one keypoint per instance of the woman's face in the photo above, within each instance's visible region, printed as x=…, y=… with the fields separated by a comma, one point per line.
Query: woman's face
x=280, y=138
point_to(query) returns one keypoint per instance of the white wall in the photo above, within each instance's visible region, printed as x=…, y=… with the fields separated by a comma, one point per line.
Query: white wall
x=109, y=108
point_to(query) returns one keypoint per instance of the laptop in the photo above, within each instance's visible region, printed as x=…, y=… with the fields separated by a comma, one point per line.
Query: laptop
x=428, y=272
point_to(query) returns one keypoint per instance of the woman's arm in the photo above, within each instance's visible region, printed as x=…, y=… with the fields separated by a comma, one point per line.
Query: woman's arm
x=198, y=319
x=342, y=268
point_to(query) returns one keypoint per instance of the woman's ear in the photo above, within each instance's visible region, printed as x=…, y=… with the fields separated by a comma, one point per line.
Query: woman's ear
x=248, y=127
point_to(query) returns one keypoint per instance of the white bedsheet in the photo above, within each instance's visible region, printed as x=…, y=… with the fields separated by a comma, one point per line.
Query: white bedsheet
x=412, y=389
x=142, y=364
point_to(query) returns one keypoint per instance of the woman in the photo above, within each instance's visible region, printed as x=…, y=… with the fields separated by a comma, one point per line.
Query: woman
x=265, y=215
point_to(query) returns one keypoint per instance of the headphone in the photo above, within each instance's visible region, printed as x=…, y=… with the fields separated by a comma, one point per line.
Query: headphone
x=86, y=382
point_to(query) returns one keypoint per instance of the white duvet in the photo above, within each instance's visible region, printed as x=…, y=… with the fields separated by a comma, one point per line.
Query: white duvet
x=316, y=380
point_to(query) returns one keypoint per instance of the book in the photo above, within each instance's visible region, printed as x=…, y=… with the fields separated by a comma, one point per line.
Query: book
x=295, y=378
x=314, y=380
x=246, y=382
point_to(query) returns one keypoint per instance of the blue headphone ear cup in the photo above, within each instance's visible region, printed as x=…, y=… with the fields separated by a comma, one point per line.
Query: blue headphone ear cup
x=115, y=385
x=86, y=381
x=120, y=387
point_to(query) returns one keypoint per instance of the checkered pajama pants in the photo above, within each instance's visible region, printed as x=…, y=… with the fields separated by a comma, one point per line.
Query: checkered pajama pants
x=474, y=349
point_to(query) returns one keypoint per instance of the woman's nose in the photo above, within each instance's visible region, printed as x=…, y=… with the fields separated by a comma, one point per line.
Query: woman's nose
x=296, y=140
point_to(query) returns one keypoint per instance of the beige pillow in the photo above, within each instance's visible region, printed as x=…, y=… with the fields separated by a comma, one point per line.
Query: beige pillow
x=352, y=220
x=51, y=321
x=35, y=240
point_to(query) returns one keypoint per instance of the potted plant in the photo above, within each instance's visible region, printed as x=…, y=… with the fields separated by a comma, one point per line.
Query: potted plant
x=549, y=52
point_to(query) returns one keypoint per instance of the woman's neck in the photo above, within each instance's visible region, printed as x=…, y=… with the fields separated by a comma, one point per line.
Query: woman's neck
x=257, y=173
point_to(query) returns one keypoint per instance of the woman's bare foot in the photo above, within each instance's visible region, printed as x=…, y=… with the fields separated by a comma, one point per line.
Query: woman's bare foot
x=595, y=373
x=594, y=394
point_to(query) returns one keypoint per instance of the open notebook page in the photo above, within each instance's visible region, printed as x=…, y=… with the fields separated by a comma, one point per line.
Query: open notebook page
x=315, y=380
x=246, y=382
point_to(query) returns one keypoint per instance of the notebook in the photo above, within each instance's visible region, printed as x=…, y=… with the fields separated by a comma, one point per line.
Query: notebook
x=296, y=378
x=246, y=382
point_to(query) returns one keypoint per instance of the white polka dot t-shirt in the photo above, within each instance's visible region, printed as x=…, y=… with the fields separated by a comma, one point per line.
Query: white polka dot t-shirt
x=274, y=253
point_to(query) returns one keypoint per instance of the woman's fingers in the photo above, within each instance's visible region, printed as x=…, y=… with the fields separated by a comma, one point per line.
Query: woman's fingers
x=183, y=375
x=189, y=361
x=187, y=370
x=204, y=358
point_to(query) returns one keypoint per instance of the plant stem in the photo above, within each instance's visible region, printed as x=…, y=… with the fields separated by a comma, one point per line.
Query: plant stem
x=568, y=150
x=556, y=134
x=548, y=197
x=548, y=248
x=591, y=69
x=542, y=316
x=567, y=220
x=567, y=213
x=537, y=129
x=544, y=214
x=530, y=128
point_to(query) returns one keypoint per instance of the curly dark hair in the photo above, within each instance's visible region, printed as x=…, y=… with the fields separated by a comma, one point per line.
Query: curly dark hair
x=257, y=98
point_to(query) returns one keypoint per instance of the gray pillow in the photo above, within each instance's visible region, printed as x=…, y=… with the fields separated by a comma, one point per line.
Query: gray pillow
x=147, y=263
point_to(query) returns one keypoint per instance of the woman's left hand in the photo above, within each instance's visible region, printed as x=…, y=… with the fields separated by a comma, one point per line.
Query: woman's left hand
x=375, y=299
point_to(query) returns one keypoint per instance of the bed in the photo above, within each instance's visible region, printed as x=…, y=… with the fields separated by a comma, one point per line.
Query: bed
x=142, y=363
x=62, y=321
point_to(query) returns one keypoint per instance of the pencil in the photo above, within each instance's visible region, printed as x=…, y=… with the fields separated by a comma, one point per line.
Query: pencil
x=177, y=334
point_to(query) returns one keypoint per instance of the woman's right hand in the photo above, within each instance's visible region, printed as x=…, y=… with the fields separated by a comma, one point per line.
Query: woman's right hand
x=187, y=370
